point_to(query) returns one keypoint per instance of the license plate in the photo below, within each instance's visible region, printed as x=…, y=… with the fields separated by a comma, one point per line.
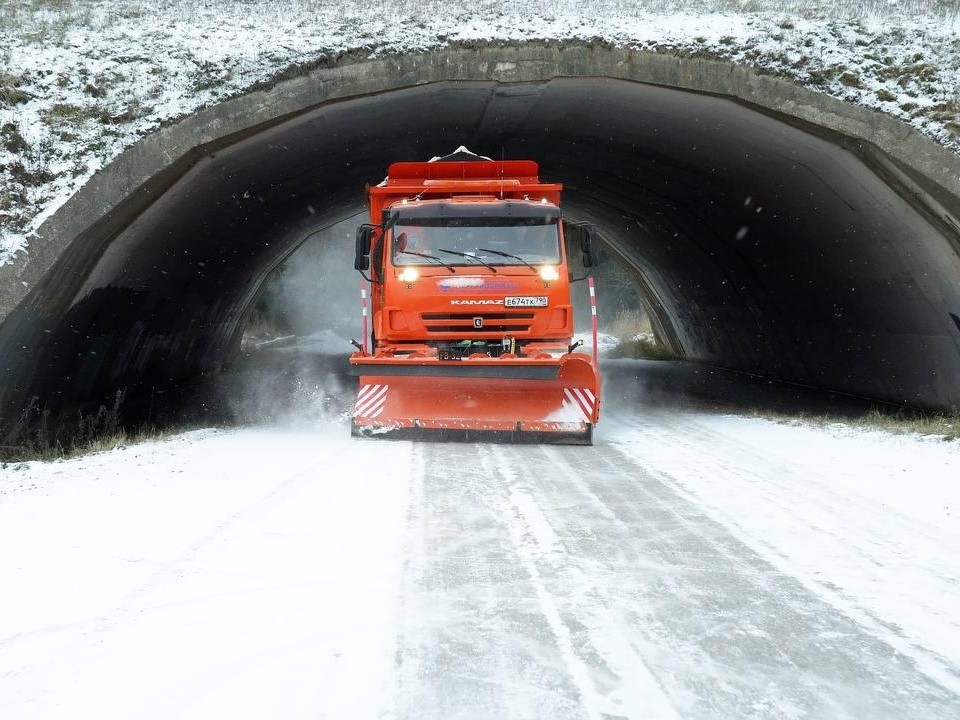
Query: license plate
x=448, y=355
x=525, y=301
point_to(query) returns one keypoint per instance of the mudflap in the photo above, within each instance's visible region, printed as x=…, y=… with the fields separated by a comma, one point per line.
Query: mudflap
x=483, y=401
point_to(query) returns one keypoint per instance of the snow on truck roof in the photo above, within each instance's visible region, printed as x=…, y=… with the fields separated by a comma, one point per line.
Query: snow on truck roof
x=461, y=153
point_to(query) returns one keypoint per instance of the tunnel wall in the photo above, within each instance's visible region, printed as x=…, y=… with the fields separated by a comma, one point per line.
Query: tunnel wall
x=753, y=231
x=129, y=183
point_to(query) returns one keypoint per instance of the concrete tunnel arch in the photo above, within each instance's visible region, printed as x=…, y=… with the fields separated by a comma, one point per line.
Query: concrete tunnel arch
x=773, y=230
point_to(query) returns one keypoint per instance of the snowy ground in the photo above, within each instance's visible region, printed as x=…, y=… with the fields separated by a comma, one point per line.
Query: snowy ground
x=80, y=81
x=690, y=565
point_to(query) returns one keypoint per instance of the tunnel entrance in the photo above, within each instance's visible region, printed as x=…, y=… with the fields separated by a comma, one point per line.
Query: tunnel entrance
x=757, y=242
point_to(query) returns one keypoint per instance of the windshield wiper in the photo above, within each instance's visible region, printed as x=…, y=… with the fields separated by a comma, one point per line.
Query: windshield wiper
x=468, y=255
x=429, y=257
x=507, y=255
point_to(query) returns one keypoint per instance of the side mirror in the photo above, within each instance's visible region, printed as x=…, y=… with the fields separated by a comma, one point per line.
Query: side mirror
x=362, y=260
x=574, y=236
x=588, y=235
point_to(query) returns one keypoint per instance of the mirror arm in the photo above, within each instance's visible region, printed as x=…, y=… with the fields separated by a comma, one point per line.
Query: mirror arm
x=369, y=279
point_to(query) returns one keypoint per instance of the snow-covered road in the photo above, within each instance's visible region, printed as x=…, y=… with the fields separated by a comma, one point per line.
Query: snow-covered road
x=688, y=565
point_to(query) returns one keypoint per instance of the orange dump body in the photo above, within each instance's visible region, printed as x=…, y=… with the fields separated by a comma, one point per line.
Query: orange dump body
x=472, y=321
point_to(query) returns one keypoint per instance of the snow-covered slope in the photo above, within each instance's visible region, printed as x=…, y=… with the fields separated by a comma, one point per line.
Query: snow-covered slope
x=80, y=81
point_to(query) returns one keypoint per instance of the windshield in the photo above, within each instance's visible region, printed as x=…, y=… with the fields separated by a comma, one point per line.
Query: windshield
x=476, y=241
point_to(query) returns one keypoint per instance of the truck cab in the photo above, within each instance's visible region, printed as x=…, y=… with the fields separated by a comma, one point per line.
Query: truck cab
x=469, y=275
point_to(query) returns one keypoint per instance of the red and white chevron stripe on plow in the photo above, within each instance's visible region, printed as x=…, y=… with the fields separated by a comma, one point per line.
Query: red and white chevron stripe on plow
x=583, y=399
x=370, y=401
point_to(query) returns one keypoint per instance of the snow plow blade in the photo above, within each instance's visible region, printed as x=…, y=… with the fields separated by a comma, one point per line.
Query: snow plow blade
x=538, y=400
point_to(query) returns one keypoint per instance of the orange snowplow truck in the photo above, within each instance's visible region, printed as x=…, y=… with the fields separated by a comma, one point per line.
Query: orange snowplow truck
x=472, y=325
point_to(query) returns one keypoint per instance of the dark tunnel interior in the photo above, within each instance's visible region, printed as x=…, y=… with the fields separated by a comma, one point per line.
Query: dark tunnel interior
x=759, y=245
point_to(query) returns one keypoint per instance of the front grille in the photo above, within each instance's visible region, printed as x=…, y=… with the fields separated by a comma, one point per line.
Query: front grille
x=462, y=322
x=494, y=328
x=471, y=316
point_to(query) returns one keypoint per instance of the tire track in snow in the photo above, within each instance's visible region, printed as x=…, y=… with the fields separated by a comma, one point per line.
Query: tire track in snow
x=603, y=654
x=632, y=578
x=528, y=520
x=473, y=639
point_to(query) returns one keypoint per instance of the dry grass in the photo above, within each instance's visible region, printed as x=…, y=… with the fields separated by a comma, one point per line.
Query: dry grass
x=261, y=326
x=37, y=437
x=97, y=444
x=941, y=424
x=12, y=139
x=896, y=422
x=643, y=347
x=632, y=328
x=629, y=323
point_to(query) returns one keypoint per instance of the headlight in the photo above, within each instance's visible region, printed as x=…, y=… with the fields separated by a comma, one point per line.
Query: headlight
x=548, y=273
x=408, y=275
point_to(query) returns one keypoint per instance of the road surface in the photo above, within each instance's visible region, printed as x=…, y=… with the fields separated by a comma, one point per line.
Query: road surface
x=689, y=565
